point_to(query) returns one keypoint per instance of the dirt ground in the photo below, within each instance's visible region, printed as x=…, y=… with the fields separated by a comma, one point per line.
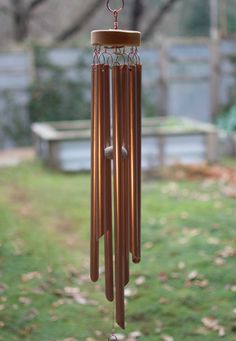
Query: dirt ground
x=12, y=157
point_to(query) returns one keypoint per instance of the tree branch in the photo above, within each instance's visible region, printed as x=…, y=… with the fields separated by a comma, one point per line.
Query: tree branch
x=136, y=14
x=35, y=3
x=78, y=24
x=156, y=21
x=5, y=9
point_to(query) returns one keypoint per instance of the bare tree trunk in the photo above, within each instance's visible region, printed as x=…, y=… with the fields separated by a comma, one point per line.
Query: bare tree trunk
x=21, y=14
x=20, y=20
x=215, y=58
x=156, y=21
x=137, y=11
x=163, y=80
x=223, y=18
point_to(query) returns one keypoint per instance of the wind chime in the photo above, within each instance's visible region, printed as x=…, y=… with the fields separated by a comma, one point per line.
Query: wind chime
x=116, y=136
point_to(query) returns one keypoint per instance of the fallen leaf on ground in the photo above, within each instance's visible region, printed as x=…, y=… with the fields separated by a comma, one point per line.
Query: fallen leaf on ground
x=140, y=280
x=39, y=290
x=54, y=318
x=221, y=331
x=213, y=241
x=227, y=252
x=71, y=292
x=31, y=314
x=202, y=330
x=181, y=265
x=135, y=334
x=163, y=277
x=167, y=338
x=30, y=275
x=24, y=300
x=120, y=337
x=152, y=221
x=148, y=245
x=212, y=323
x=80, y=299
x=130, y=292
x=74, y=294
x=98, y=333
x=83, y=279
x=60, y=302
x=219, y=261
x=3, y=287
x=201, y=284
x=229, y=191
x=27, y=330
x=192, y=275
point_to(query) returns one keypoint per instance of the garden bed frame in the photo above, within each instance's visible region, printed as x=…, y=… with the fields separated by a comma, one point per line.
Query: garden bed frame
x=66, y=145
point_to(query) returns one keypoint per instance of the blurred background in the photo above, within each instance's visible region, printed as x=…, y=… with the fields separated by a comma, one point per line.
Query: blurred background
x=188, y=55
x=188, y=159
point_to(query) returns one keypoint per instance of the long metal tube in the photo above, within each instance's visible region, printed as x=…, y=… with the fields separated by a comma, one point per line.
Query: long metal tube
x=94, y=247
x=133, y=163
x=107, y=183
x=100, y=151
x=125, y=169
x=118, y=193
x=137, y=256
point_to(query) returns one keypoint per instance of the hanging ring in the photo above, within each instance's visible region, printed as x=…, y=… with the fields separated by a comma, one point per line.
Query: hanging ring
x=115, y=10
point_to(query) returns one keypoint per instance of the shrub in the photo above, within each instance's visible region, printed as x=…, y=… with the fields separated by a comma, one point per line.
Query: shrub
x=58, y=94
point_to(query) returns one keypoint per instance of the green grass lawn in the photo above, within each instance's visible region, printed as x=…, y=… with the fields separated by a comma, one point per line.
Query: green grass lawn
x=187, y=277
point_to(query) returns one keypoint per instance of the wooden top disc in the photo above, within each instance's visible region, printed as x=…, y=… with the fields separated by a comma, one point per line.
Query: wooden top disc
x=115, y=38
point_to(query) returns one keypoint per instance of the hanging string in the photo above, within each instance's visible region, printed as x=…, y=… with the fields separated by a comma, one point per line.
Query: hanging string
x=115, y=56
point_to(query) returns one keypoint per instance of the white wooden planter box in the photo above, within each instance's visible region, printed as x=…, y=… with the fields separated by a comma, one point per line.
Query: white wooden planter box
x=66, y=145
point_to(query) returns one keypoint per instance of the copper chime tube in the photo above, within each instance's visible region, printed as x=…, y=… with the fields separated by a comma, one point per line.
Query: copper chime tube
x=137, y=256
x=107, y=183
x=118, y=193
x=100, y=146
x=125, y=168
x=134, y=172
x=94, y=247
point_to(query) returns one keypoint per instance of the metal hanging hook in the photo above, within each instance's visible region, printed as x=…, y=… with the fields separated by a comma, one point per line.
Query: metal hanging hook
x=115, y=12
